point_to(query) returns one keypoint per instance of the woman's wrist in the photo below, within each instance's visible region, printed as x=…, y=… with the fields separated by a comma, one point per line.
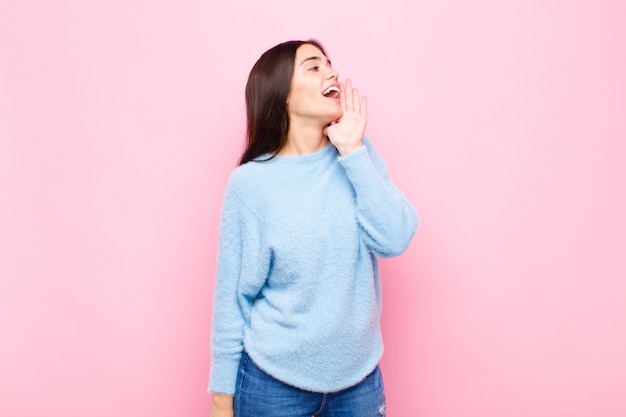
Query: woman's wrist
x=347, y=150
x=222, y=400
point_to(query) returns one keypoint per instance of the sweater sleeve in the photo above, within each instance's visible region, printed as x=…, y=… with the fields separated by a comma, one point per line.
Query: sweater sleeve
x=387, y=219
x=228, y=319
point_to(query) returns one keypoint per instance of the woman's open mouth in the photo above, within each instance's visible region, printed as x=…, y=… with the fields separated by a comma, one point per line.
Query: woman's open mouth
x=331, y=92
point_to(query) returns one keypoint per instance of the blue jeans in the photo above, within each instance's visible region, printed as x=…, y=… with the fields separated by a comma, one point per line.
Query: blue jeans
x=260, y=395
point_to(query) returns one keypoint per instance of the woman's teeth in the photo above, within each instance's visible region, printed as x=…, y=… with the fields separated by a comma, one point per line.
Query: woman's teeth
x=331, y=91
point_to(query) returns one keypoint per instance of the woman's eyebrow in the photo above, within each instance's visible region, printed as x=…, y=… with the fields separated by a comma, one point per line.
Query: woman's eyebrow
x=313, y=58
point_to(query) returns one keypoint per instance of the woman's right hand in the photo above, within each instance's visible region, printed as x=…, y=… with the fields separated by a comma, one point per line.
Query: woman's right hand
x=222, y=406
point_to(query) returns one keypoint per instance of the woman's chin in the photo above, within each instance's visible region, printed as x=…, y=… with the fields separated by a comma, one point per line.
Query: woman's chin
x=333, y=117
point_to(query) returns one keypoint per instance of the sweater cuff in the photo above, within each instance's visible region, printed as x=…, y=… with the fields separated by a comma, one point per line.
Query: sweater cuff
x=360, y=150
x=223, y=379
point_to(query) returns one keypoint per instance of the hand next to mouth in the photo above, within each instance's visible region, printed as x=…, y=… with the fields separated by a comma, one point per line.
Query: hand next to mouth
x=346, y=133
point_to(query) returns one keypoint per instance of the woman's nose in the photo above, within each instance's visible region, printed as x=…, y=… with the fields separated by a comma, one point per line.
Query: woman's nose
x=333, y=74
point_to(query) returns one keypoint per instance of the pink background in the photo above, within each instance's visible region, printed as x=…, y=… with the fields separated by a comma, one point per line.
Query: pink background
x=503, y=122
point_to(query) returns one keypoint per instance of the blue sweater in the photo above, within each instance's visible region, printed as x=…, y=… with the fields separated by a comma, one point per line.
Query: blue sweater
x=297, y=283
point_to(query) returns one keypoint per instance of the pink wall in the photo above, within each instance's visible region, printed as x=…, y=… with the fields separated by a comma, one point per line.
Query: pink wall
x=503, y=122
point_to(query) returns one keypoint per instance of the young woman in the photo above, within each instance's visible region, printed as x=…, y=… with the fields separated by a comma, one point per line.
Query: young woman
x=296, y=319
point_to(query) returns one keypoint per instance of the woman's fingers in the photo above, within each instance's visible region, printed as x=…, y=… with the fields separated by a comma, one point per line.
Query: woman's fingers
x=349, y=93
x=356, y=101
x=350, y=98
x=363, y=109
x=352, y=122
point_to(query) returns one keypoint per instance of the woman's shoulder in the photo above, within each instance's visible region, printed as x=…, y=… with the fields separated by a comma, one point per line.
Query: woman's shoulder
x=249, y=176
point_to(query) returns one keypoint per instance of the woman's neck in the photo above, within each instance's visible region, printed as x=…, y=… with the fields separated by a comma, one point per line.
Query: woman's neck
x=303, y=141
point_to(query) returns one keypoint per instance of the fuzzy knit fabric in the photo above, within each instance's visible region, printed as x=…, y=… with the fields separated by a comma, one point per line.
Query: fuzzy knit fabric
x=297, y=283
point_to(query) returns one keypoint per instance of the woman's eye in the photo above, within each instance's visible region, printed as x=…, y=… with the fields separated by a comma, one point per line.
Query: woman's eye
x=314, y=68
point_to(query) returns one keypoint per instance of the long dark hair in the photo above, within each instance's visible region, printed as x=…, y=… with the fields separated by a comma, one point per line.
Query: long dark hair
x=268, y=87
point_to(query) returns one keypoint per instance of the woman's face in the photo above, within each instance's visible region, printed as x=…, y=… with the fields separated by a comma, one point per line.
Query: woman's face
x=314, y=95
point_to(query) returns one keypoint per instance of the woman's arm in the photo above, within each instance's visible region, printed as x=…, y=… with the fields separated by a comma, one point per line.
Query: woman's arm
x=228, y=321
x=386, y=217
x=243, y=262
